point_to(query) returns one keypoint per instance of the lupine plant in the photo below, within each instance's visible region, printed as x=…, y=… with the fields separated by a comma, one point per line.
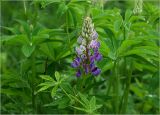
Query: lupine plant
x=80, y=57
x=87, y=51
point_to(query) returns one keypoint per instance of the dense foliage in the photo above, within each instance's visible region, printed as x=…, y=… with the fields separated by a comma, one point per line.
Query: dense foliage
x=38, y=42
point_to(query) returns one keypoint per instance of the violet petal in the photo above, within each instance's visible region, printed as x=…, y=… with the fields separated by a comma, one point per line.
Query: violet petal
x=78, y=74
x=96, y=71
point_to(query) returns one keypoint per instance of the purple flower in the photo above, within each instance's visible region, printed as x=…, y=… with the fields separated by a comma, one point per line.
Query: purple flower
x=83, y=56
x=94, y=35
x=87, y=52
x=96, y=71
x=78, y=74
x=80, y=50
x=79, y=40
x=86, y=67
x=76, y=62
x=92, y=58
x=92, y=66
x=98, y=56
x=94, y=44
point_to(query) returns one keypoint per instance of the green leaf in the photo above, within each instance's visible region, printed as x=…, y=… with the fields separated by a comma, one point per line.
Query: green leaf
x=28, y=50
x=45, y=3
x=25, y=26
x=13, y=30
x=128, y=15
x=53, y=92
x=93, y=103
x=117, y=24
x=40, y=38
x=46, y=83
x=47, y=77
x=67, y=87
x=48, y=50
x=78, y=108
x=62, y=9
x=44, y=88
x=63, y=103
x=75, y=98
x=107, y=66
x=84, y=99
x=57, y=75
x=126, y=45
x=15, y=39
x=98, y=106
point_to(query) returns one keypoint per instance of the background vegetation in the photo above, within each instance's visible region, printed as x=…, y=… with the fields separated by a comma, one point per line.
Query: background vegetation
x=37, y=46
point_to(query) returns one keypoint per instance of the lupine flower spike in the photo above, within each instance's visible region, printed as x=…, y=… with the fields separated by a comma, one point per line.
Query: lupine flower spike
x=87, y=51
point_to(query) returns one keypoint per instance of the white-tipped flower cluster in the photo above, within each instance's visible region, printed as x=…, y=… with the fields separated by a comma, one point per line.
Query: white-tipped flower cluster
x=88, y=32
x=138, y=7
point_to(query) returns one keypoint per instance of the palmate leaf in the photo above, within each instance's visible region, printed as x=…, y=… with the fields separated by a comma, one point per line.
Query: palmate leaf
x=50, y=82
x=76, y=99
x=83, y=98
x=67, y=87
x=61, y=102
x=89, y=106
x=93, y=103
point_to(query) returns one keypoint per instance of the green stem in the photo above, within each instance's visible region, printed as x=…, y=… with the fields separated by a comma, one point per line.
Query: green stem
x=24, y=6
x=109, y=85
x=67, y=30
x=33, y=81
x=125, y=99
x=116, y=87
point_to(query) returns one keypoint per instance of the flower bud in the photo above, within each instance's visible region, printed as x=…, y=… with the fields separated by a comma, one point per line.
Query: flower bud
x=138, y=7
